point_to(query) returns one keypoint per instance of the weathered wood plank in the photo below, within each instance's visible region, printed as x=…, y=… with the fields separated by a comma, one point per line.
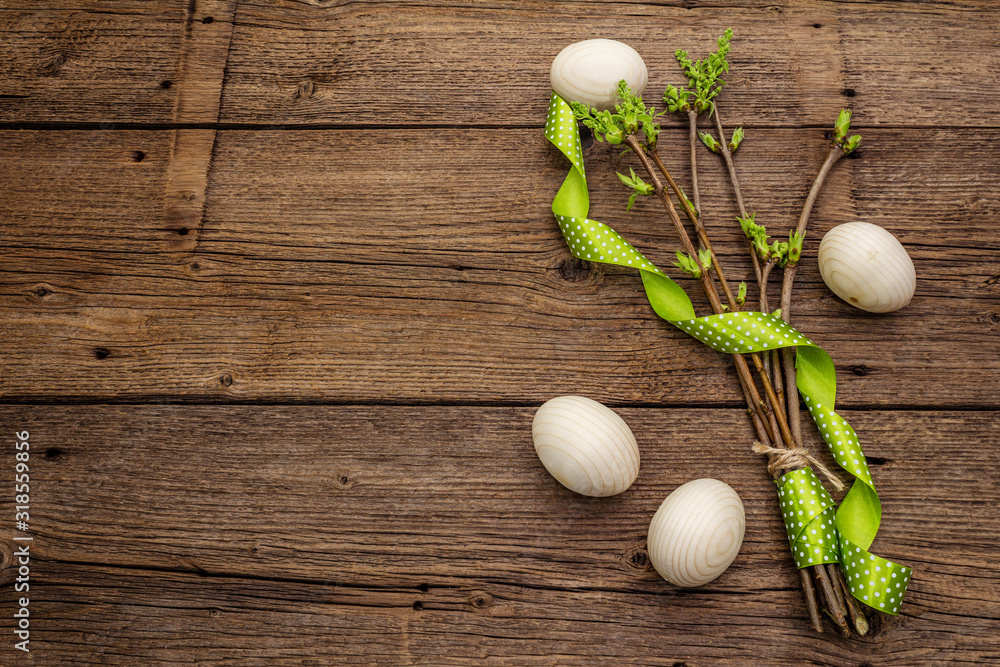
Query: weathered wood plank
x=80, y=61
x=110, y=616
x=792, y=62
x=367, y=63
x=328, y=525
x=346, y=266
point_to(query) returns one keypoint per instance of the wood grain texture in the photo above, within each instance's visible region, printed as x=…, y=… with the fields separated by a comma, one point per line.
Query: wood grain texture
x=343, y=206
x=344, y=266
x=375, y=63
x=81, y=61
x=792, y=62
x=407, y=535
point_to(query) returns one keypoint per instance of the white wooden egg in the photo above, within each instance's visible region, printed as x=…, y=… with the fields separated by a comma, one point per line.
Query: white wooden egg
x=585, y=445
x=867, y=267
x=589, y=72
x=697, y=532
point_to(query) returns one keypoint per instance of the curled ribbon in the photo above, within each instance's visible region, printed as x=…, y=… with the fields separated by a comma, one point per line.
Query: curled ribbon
x=818, y=532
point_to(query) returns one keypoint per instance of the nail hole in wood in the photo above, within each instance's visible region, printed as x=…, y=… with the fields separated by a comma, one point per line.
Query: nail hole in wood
x=876, y=460
x=53, y=454
x=817, y=25
x=101, y=353
x=183, y=231
x=43, y=292
x=418, y=605
x=856, y=155
x=848, y=92
x=138, y=156
x=208, y=19
x=860, y=370
x=423, y=588
x=167, y=83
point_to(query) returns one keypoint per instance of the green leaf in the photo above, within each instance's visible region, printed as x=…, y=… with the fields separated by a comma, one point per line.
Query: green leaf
x=741, y=297
x=625, y=179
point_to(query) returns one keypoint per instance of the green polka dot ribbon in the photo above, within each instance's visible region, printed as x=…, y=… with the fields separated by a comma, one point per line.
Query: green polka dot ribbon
x=818, y=531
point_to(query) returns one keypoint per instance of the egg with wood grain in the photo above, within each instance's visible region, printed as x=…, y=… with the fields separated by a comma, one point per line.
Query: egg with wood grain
x=867, y=267
x=586, y=446
x=696, y=533
x=589, y=72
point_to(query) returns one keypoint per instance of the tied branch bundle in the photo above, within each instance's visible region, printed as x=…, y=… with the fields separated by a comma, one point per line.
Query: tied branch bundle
x=767, y=379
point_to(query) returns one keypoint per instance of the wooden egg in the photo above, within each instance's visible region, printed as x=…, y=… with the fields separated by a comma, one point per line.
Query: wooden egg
x=867, y=267
x=585, y=445
x=697, y=532
x=589, y=72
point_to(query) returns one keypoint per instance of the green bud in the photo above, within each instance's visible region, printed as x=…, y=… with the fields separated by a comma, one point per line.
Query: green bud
x=737, y=137
x=851, y=144
x=842, y=126
x=794, y=248
x=705, y=257
x=710, y=142
x=741, y=296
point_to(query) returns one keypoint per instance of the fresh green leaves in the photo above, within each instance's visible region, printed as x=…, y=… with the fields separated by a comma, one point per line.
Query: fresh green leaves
x=606, y=126
x=677, y=99
x=757, y=235
x=840, y=130
x=691, y=267
x=710, y=142
x=736, y=139
x=704, y=79
x=631, y=116
x=781, y=253
x=639, y=186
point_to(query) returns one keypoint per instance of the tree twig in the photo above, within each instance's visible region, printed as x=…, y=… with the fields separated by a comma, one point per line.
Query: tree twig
x=693, y=140
x=788, y=354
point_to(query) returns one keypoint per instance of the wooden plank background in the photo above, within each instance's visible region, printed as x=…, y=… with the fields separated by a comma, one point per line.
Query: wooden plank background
x=281, y=291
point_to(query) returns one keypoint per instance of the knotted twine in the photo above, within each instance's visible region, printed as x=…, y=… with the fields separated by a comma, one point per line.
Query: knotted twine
x=818, y=531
